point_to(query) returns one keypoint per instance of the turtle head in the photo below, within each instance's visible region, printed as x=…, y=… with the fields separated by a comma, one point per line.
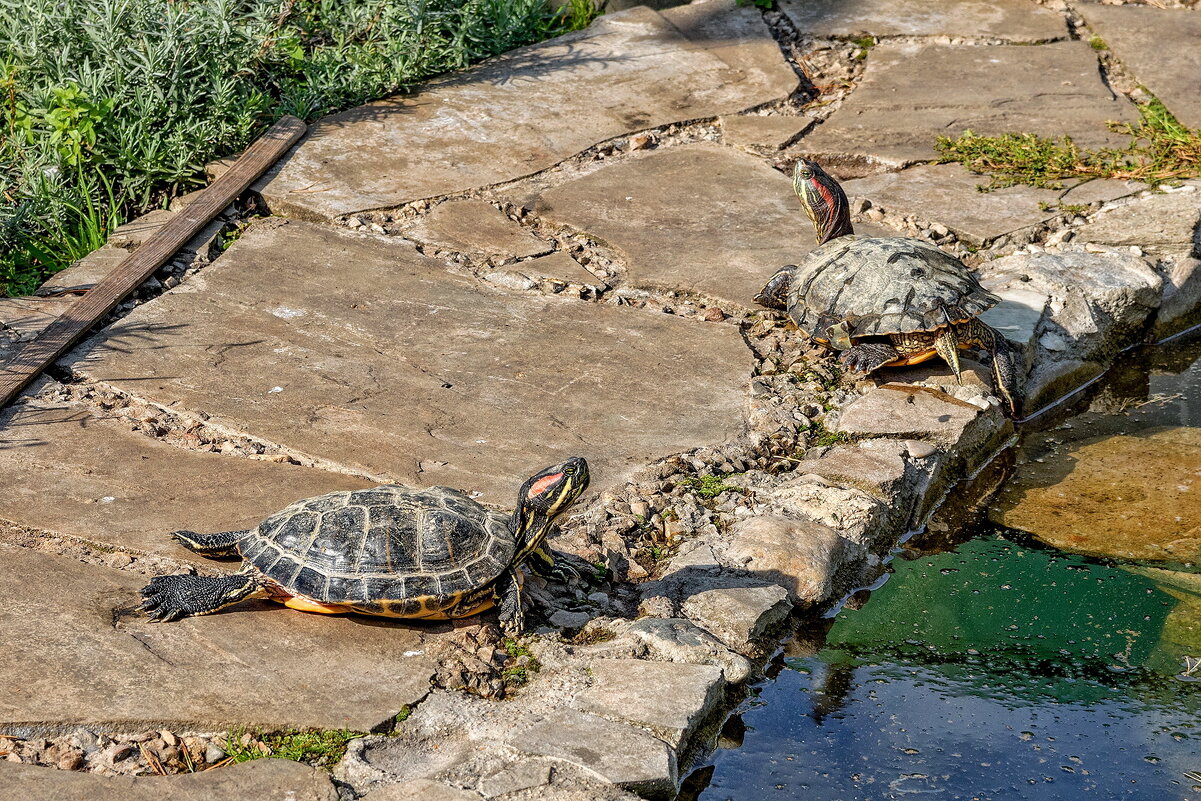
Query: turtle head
x=543, y=496
x=823, y=200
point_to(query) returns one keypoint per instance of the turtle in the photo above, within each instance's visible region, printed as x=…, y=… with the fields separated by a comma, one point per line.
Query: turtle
x=391, y=551
x=883, y=301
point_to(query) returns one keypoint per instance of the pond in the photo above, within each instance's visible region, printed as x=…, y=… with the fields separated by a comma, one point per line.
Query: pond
x=992, y=665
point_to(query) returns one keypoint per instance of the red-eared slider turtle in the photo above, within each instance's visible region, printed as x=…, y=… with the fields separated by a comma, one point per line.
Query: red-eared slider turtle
x=390, y=551
x=883, y=301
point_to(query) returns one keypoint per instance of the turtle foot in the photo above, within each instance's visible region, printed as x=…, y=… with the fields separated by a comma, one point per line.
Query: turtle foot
x=867, y=356
x=168, y=598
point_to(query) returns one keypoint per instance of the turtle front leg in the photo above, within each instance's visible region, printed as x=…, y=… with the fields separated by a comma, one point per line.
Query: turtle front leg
x=168, y=598
x=508, y=602
x=867, y=356
x=552, y=565
x=774, y=294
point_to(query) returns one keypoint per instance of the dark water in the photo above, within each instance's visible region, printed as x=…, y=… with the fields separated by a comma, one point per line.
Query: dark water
x=990, y=666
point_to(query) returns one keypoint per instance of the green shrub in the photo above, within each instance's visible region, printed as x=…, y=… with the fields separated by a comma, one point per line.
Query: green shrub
x=110, y=107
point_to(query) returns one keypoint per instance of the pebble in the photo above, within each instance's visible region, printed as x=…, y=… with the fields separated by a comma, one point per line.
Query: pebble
x=599, y=598
x=569, y=620
x=714, y=314
x=119, y=560
x=918, y=449
x=213, y=754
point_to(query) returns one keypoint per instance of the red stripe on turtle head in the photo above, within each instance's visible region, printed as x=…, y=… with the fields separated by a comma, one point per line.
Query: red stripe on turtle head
x=543, y=484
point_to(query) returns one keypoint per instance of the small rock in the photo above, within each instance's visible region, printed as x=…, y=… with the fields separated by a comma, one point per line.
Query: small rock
x=599, y=598
x=569, y=620
x=641, y=141
x=739, y=616
x=71, y=759
x=1053, y=342
x=118, y=560
x=799, y=555
x=213, y=754
x=918, y=449
x=714, y=315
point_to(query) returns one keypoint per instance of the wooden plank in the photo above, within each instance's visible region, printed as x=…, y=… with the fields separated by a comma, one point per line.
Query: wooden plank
x=38, y=354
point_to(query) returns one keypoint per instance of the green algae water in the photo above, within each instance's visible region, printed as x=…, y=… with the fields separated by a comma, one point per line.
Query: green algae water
x=992, y=666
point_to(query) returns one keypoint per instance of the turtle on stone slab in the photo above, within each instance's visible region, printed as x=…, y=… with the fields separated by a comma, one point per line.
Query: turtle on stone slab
x=390, y=551
x=884, y=301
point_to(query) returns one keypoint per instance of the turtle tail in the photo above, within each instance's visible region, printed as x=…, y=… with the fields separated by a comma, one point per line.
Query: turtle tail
x=774, y=294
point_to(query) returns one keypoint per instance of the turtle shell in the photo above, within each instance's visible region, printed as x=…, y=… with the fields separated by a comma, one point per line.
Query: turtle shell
x=883, y=285
x=382, y=549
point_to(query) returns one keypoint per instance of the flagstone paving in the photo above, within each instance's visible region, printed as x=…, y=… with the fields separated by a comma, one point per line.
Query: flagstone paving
x=1160, y=46
x=911, y=94
x=1009, y=20
x=361, y=352
x=528, y=110
x=450, y=342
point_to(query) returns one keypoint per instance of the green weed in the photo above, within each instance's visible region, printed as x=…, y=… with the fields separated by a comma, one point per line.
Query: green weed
x=765, y=4
x=1161, y=149
x=709, y=487
x=145, y=92
x=1097, y=43
x=824, y=437
x=524, y=664
x=316, y=747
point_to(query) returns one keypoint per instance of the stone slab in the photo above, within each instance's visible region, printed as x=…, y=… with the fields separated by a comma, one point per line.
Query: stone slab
x=912, y=94
x=421, y=790
x=739, y=616
x=83, y=659
x=1010, y=20
x=626, y=72
x=359, y=351
x=950, y=194
x=1160, y=47
x=1099, y=498
x=476, y=228
x=770, y=132
x=908, y=412
x=669, y=699
x=682, y=641
x=697, y=218
x=135, y=232
x=91, y=269
x=620, y=754
x=1160, y=224
x=71, y=470
x=800, y=555
x=257, y=780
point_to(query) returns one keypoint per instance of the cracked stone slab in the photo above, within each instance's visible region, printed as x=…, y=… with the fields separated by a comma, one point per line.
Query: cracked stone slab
x=75, y=471
x=257, y=779
x=621, y=754
x=624, y=73
x=560, y=266
x=1160, y=224
x=769, y=132
x=1160, y=47
x=736, y=224
x=476, y=228
x=912, y=94
x=1010, y=20
x=359, y=351
x=950, y=194
x=902, y=411
x=669, y=699
x=86, y=661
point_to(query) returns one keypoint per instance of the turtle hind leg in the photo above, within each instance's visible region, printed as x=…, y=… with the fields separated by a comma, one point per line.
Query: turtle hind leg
x=1006, y=362
x=224, y=543
x=867, y=356
x=172, y=597
x=774, y=294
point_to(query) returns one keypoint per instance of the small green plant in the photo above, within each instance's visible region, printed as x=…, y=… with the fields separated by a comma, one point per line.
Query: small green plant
x=404, y=713
x=600, y=571
x=825, y=438
x=710, y=486
x=1161, y=149
x=865, y=44
x=764, y=4
x=524, y=664
x=1097, y=43
x=321, y=748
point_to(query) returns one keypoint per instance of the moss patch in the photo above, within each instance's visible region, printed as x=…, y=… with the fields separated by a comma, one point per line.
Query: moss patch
x=321, y=748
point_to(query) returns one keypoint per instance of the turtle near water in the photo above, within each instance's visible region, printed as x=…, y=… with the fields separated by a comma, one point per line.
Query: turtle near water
x=390, y=551
x=884, y=301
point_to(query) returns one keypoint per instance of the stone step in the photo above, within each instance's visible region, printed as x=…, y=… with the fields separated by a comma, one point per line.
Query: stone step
x=1009, y=20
